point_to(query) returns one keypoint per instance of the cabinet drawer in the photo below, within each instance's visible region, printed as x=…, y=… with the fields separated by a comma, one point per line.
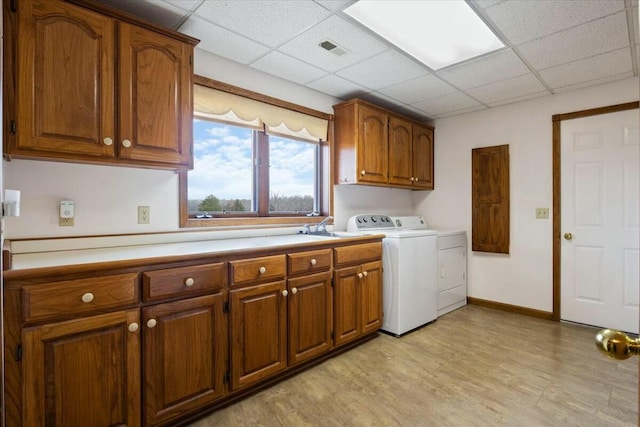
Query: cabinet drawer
x=357, y=253
x=63, y=299
x=258, y=269
x=308, y=262
x=172, y=282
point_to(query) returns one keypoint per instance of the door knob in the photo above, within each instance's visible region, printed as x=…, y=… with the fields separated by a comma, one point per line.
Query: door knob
x=616, y=344
x=568, y=236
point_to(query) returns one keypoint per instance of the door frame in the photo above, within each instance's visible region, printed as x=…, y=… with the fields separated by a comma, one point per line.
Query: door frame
x=557, y=123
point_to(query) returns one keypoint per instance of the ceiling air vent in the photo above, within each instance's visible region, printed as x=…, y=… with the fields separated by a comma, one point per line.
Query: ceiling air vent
x=333, y=48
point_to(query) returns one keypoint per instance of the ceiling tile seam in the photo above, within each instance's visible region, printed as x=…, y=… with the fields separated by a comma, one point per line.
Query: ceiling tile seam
x=572, y=27
x=632, y=36
x=583, y=58
x=502, y=37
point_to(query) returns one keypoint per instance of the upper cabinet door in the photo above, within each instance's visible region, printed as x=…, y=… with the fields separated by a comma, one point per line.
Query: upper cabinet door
x=372, y=145
x=422, y=157
x=65, y=80
x=400, y=142
x=155, y=97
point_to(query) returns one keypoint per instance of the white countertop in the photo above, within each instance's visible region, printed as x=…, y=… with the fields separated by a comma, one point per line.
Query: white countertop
x=30, y=255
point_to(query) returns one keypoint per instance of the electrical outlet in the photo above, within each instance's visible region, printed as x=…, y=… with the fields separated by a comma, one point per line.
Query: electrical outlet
x=66, y=222
x=542, y=213
x=144, y=213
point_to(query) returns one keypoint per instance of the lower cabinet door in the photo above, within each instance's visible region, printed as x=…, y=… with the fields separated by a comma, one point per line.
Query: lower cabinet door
x=83, y=372
x=185, y=356
x=310, y=316
x=258, y=332
x=371, y=297
x=346, y=310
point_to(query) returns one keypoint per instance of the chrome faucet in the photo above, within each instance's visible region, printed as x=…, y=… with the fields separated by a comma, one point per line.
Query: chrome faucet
x=322, y=225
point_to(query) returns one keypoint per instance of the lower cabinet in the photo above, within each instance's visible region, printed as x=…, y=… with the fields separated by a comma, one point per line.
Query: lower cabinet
x=157, y=346
x=83, y=372
x=357, y=301
x=310, y=316
x=184, y=356
x=258, y=328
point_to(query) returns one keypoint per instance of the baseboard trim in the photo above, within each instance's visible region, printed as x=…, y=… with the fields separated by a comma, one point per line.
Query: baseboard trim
x=547, y=315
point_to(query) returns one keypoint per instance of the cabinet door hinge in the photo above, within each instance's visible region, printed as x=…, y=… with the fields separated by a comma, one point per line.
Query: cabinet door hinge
x=19, y=353
x=227, y=375
x=225, y=307
x=13, y=127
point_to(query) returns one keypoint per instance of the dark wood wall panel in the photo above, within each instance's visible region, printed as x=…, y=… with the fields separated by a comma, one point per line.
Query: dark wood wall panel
x=490, y=199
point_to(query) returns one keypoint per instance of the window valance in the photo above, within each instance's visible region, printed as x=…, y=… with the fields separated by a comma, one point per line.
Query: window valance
x=230, y=108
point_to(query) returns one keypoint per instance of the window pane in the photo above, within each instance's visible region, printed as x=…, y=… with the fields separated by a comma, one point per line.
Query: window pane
x=222, y=175
x=292, y=175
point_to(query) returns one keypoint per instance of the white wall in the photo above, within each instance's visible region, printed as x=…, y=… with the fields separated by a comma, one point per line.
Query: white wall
x=524, y=277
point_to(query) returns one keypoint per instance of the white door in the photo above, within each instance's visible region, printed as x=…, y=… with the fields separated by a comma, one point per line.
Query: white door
x=600, y=220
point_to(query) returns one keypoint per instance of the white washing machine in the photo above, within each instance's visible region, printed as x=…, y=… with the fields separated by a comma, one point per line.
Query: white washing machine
x=452, y=263
x=409, y=279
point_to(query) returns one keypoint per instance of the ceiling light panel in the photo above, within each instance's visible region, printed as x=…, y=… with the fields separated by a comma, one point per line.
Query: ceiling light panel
x=438, y=33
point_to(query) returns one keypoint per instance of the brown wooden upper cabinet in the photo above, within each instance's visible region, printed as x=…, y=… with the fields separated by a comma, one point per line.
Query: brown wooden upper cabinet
x=94, y=88
x=377, y=147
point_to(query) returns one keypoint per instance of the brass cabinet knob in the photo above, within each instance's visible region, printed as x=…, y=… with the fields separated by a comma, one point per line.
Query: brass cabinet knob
x=313, y=261
x=360, y=275
x=151, y=323
x=568, y=236
x=88, y=297
x=133, y=327
x=262, y=270
x=363, y=172
x=294, y=291
x=285, y=293
x=616, y=344
x=126, y=143
x=189, y=282
x=107, y=141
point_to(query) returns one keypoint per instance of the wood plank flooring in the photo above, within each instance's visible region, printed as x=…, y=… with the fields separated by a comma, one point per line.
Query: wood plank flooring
x=472, y=367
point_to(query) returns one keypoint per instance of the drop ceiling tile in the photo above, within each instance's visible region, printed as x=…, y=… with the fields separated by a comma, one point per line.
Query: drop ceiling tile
x=335, y=5
x=462, y=111
x=419, y=89
x=283, y=66
x=584, y=70
x=270, y=23
x=586, y=40
x=519, y=98
x=383, y=70
x=338, y=87
x=484, y=70
x=359, y=45
x=189, y=5
x=524, y=20
x=223, y=42
x=155, y=11
x=447, y=103
x=595, y=82
x=487, y=3
x=505, y=89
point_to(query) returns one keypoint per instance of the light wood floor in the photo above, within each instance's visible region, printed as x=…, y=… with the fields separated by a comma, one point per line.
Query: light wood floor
x=472, y=367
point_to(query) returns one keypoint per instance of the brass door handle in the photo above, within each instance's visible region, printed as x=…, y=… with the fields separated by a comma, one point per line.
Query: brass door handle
x=568, y=236
x=616, y=344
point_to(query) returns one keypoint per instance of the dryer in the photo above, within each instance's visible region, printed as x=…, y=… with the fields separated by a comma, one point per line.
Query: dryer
x=452, y=263
x=409, y=279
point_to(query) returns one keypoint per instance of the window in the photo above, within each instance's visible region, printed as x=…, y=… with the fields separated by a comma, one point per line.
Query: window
x=252, y=168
